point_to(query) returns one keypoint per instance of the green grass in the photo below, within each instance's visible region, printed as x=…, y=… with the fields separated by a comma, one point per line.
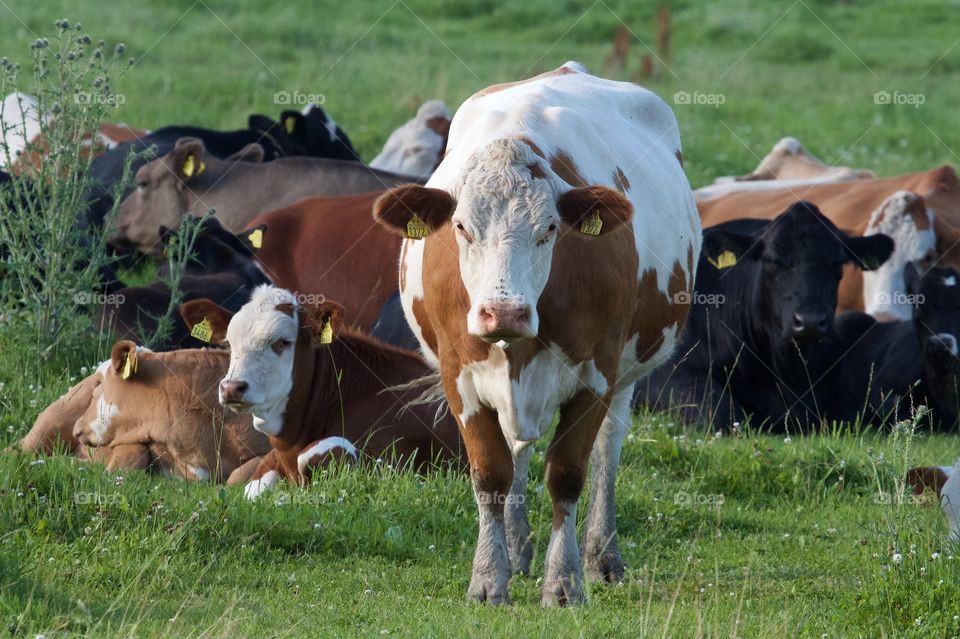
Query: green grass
x=803, y=541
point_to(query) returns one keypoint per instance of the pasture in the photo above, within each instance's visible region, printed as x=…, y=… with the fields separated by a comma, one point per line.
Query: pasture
x=735, y=535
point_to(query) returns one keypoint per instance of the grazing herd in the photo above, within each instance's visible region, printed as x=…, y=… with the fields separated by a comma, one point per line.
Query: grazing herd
x=540, y=253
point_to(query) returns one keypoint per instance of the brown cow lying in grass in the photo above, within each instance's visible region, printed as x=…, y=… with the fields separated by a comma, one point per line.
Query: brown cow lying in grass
x=321, y=391
x=157, y=411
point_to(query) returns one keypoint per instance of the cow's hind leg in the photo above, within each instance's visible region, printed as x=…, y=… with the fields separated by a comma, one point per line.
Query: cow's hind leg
x=601, y=552
x=566, y=472
x=491, y=474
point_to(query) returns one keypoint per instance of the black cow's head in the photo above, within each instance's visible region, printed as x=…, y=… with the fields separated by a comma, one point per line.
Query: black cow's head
x=936, y=316
x=309, y=132
x=798, y=260
x=217, y=250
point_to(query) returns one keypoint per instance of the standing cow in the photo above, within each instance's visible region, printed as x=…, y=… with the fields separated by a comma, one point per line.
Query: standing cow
x=558, y=231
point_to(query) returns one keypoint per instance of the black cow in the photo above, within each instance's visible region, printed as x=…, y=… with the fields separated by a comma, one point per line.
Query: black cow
x=312, y=133
x=221, y=268
x=891, y=367
x=760, y=339
x=392, y=327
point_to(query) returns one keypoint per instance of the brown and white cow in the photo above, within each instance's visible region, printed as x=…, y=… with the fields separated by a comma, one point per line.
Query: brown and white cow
x=416, y=148
x=945, y=481
x=560, y=233
x=143, y=410
x=319, y=390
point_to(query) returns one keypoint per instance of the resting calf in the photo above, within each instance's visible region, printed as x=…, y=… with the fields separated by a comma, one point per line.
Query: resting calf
x=319, y=390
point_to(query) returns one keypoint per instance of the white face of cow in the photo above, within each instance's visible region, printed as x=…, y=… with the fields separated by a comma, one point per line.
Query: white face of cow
x=262, y=336
x=506, y=241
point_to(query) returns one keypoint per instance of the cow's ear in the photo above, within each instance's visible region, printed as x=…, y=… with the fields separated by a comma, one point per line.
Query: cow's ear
x=252, y=238
x=124, y=359
x=294, y=124
x=594, y=210
x=206, y=320
x=912, y=275
x=324, y=321
x=869, y=252
x=187, y=158
x=253, y=152
x=724, y=249
x=413, y=211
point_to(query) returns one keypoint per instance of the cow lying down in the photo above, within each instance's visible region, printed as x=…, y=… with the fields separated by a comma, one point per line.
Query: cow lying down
x=156, y=411
x=760, y=339
x=945, y=481
x=888, y=368
x=321, y=391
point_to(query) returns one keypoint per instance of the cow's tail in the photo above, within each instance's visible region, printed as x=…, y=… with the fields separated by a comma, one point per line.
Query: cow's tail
x=431, y=393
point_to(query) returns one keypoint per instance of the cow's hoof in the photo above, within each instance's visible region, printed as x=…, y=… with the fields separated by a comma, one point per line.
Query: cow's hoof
x=561, y=592
x=605, y=567
x=488, y=591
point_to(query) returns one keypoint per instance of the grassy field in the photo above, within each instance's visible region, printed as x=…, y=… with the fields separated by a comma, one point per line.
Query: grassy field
x=750, y=536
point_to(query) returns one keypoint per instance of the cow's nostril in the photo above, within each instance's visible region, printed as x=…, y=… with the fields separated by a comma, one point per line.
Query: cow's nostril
x=798, y=322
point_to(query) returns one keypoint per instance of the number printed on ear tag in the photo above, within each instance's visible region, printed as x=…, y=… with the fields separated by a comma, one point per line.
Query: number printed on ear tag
x=592, y=225
x=202, y=331
x=416, y=229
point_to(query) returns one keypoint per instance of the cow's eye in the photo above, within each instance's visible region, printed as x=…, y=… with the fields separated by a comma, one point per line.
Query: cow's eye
x=280, y=345
x=463, y=232
x=552, y=228
x=141, y=185
x=225, y=344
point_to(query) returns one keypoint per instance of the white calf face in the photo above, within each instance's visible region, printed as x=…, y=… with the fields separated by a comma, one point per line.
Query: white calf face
x=506, y=247
x=904, y=217
x=262, y=336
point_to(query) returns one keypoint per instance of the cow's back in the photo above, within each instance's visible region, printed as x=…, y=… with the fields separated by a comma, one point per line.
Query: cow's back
x=331, y=247
x=847, y=204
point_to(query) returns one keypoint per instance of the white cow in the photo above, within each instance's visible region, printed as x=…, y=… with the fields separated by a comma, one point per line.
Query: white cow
x=561, y=240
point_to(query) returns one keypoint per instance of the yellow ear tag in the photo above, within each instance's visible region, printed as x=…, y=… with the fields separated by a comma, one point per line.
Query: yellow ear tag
x=416, y=229
x=290, y=123
x=202, y=331
x=724, y=260
x=129, y=365
x=326, y=333
x=256, y=238
x=191, y=166
x=592, y=225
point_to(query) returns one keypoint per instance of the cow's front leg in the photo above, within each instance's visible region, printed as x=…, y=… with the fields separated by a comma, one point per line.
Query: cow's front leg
x=519, y=543
x=567, y=458
x=601, y=553
x=264, y=478
x=491, y=474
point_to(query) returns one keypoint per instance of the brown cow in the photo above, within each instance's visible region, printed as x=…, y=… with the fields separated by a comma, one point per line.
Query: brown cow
x=190, y=180
x=331, y=246
x=552, y=273
x=152, y=410
x=321, y=391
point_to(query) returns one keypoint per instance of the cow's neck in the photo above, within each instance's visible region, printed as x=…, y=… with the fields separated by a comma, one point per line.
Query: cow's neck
x=331, y=379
